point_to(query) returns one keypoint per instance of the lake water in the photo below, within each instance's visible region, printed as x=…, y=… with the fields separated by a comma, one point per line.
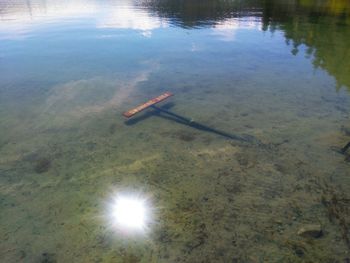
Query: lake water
x=275, y=73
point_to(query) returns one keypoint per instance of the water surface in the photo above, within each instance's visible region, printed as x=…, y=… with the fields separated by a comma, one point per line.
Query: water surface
x=276, y=72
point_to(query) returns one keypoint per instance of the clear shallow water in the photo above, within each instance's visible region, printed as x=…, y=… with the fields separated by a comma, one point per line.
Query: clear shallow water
x=278, y=72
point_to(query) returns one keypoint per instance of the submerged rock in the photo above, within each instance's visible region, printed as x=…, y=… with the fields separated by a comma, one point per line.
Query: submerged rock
x=42, y=165
x=48, y=258
x=311, y=230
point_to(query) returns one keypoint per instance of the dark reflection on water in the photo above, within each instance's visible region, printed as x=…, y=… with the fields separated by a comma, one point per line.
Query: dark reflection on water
x=323, y=26
x=196, y=13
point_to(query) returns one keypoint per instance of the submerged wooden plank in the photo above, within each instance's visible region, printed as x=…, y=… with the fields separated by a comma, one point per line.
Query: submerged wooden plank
x=149, y=103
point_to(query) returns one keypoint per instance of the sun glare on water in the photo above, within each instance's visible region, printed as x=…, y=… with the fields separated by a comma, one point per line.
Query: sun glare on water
x=129, y=213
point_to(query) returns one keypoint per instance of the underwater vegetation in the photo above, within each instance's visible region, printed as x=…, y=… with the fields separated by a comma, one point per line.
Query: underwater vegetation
x=338, y=210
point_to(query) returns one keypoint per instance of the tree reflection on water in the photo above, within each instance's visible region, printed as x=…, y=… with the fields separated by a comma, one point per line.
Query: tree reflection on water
x=322, y=26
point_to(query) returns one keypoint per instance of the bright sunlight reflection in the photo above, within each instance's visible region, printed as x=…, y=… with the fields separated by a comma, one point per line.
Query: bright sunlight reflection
x=129, y=213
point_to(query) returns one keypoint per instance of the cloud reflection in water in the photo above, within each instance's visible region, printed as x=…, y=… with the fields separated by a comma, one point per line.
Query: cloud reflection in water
x=20, y=18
